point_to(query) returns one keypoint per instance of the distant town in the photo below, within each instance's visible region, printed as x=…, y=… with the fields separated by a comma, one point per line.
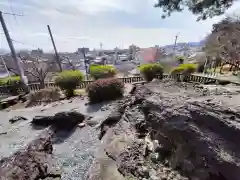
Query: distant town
x=126, y=61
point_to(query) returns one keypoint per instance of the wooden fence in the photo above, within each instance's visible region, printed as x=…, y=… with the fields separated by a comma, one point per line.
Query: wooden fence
x=36, y=86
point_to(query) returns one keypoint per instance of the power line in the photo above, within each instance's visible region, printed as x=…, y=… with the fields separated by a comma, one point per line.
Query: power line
x=23, y=43
x=11, y=7
x=13, y=14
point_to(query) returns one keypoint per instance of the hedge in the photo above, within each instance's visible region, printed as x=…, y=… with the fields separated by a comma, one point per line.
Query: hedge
x=105, y=89
x=151, y=71
x=102, y=71
x=13, y=83
x=184, y=70
x=68, y=81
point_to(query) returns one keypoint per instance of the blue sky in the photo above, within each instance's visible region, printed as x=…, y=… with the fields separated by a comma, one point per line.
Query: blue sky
x=115, y=23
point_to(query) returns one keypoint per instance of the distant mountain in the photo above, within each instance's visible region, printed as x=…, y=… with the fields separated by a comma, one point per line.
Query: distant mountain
x=191, y=44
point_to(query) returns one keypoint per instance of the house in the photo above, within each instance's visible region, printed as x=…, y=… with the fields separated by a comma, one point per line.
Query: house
x=148, y=55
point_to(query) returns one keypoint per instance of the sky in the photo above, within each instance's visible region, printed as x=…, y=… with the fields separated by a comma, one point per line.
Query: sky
x=87, y=23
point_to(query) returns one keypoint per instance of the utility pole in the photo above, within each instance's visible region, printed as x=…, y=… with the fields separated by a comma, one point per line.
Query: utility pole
x=85, y=61
x=116, y=55
x=55, y=49
x=14, y=55
x=174, y=48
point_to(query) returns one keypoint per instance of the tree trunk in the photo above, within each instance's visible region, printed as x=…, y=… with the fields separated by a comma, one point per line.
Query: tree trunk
x=42, y=84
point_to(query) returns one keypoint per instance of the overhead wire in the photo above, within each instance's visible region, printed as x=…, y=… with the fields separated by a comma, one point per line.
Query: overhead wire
x=13, y=13
x=23, y=43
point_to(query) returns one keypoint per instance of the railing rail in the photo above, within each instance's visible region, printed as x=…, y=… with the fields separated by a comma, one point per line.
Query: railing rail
x=36, y=86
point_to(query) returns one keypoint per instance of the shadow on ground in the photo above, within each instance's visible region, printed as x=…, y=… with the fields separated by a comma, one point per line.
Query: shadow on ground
x=61, y=135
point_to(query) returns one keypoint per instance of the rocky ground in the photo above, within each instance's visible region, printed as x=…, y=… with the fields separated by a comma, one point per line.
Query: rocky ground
x=161, y=131
x=169, y=130
x=73, y=151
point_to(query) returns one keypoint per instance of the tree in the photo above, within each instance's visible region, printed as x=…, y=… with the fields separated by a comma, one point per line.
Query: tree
x=66, y=60
x=203, y=8
x=224, y=41
x=34, y=68
x=37, y=68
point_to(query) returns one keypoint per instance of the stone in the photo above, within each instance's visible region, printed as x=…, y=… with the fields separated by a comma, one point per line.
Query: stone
x=61, y=120
x=111, y=120
x=91, y=122
x=154, y=157
x=42, y=121
x=16, y=119
x=33, y=162
x=69, y=119
x=143, y=171
x=81, y=125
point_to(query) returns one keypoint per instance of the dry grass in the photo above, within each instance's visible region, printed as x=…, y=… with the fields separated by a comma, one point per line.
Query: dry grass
x=80, y=92
x=46, y=95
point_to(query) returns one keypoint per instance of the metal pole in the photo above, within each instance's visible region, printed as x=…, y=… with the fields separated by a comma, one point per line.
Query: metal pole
x=55, y=49
x=13, y=52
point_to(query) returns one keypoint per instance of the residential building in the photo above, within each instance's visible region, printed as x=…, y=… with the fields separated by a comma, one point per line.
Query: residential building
x=148, y=55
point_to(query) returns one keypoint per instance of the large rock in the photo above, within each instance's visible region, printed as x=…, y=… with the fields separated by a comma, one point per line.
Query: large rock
x=196, y=133
x=61, y=120
x=34, y=162
x=69, y=119
x=42, y=120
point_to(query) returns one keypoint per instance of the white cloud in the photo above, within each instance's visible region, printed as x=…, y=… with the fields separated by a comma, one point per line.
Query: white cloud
x=77, y=23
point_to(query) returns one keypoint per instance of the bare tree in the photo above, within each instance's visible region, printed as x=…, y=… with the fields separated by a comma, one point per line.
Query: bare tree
x=35, y=68
x=68, y=61
x=38, y=69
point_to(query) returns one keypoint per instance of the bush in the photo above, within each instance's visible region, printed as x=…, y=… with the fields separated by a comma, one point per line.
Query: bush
x=184, y=70
x=150, y=71
x=105, y=89
x=68, y=81
x=12, y=80
x=102, y=71
x=46, y=95
x=13, y=83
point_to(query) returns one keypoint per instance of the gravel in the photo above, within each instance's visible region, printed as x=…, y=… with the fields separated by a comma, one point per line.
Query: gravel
x=73, y=151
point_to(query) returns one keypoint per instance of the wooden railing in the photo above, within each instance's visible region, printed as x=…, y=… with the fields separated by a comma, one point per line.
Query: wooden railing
x=36, y=86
